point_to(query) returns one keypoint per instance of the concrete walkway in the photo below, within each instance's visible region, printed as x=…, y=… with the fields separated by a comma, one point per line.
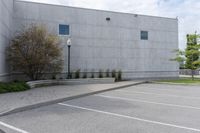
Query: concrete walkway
x=16, y=102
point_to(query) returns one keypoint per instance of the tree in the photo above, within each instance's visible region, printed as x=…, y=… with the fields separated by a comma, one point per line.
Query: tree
x=191, y=54
x=35, y=51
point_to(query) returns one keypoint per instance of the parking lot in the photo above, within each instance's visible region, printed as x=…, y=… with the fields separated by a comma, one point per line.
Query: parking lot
x=146, y=108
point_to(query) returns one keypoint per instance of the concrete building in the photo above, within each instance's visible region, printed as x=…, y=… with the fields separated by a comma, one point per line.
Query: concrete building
x=6, y=31
x=139, y=45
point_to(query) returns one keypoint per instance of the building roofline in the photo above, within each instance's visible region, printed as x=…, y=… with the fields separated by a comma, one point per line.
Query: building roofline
x=59, y=5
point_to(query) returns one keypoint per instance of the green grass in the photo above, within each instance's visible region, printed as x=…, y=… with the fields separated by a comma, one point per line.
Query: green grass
x=183, y=81
x=13, y=87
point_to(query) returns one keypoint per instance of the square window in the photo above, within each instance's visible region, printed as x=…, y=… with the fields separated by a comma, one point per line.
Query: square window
x=144, y=35
x=63, y=29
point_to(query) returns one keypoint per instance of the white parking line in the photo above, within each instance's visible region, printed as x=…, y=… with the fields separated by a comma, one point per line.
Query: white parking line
x=149, y=93
x=143, y=101
x=130, y=117
x=12, y=127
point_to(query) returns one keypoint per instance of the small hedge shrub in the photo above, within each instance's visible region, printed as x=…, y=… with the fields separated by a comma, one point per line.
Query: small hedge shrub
x=84, y=75
x=113, y=73
x=13, y=87
x=107, y=73
x=77, y=74
x=119, y=76
x=100, y=73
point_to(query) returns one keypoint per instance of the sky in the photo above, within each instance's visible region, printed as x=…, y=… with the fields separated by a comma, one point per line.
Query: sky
x=187, y=11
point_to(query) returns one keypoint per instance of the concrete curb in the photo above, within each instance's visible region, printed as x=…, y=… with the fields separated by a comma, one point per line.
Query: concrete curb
x=33, y=106
x=41, y=83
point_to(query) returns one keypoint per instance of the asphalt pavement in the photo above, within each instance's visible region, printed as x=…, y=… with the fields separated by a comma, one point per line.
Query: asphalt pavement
x=146, y=108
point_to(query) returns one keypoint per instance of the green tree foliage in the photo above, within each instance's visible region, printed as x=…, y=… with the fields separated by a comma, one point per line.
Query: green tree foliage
x=191, y=55
x=192, y=52
x=35, y=51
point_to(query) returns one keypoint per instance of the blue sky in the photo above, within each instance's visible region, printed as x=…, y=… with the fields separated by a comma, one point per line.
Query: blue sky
x=188, y=11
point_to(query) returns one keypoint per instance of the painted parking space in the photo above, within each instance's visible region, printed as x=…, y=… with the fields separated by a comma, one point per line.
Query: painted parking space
x=164, y=89
x=169, y=94
x=109, y=112
x=179, y=101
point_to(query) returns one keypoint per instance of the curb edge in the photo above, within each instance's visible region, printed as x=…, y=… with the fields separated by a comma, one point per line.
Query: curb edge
x=37, y=105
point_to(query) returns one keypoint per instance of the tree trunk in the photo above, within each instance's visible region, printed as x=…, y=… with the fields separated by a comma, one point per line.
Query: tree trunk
x=192, y=74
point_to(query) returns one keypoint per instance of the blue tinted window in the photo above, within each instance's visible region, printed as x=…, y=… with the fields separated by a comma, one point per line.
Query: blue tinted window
x=144, y=35
x=63, y=29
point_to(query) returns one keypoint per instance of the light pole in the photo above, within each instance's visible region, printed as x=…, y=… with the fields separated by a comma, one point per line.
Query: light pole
x=69, y=45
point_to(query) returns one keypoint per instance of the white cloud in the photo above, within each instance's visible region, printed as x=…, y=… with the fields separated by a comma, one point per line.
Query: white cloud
x=186, y=10
x=188, y=14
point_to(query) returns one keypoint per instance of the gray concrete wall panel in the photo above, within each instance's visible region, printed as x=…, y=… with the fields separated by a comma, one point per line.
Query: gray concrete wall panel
x=6, y=22
x=115, y=44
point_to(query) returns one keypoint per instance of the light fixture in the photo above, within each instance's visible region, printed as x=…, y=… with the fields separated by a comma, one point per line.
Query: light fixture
x=69, y=42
